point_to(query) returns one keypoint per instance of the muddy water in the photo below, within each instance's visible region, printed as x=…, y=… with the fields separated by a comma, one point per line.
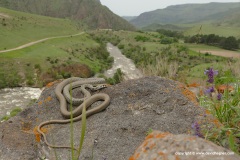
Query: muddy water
x=16, y=97
x=120, y=61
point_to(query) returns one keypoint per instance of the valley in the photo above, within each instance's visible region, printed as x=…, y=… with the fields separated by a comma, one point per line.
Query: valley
x=42, y=42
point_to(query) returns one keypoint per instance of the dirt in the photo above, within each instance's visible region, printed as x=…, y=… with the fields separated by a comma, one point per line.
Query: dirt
x=3, y=15
x=222, y=53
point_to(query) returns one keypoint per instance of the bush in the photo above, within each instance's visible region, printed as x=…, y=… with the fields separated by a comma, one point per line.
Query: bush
x=117, y=77
x=141, y=38
x=121, y=46
x=166, y=40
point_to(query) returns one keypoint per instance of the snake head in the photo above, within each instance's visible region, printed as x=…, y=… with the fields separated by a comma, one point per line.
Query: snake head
x=99, y=86
x=102, y=86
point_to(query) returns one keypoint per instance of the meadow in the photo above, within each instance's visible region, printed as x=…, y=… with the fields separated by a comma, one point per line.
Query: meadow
x=211, y=28
x=18, y=28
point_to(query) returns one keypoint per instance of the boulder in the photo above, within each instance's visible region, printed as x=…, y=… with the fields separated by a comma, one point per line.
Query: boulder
x=164, y=145
x=137, y=107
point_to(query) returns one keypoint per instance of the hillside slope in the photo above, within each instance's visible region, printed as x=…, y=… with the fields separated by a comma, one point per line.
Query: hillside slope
x=18, y=28
x=89, y=12
x=186, y=13
x=230, y=17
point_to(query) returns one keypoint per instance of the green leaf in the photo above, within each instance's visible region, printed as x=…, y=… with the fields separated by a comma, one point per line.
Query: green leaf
x=232, y=143
x=84, y=124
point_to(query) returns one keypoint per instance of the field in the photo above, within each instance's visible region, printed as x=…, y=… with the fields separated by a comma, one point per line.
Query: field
x=211, y=28
x=18, y=28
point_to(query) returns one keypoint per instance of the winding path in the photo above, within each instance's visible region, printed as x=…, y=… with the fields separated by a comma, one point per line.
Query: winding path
x=38, y=41
x=222, y=53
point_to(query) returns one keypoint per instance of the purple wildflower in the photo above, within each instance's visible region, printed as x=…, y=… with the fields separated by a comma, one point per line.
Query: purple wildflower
x=197, y=131
x=211, y=73
x=209, y=91
x=219, y=96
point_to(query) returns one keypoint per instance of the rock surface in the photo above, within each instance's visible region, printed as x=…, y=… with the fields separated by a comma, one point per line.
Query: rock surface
x=137, y=106
x=163, y=145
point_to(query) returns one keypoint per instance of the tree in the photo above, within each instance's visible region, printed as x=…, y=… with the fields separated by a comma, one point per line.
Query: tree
x=230, y=43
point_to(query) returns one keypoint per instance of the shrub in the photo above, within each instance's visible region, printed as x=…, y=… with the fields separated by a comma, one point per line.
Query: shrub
x=141, y=38
x=121, y=46
x=117, y=77
x=166, y=40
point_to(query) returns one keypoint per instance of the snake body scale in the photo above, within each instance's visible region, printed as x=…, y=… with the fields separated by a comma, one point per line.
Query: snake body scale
x=76, y=82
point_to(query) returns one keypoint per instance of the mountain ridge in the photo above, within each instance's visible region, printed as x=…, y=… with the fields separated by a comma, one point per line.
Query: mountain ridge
x=185, y=13
x=89, y=12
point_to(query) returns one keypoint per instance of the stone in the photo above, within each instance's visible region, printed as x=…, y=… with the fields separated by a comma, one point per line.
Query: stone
x=137, y=107
x=164, y=145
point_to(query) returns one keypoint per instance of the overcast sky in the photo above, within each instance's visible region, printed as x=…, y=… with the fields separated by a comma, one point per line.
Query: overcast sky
x=136, y=7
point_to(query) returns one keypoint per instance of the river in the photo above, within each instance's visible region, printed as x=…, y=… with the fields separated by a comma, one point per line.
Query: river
x=125, y=64
x=16, y=97
x=21, y=96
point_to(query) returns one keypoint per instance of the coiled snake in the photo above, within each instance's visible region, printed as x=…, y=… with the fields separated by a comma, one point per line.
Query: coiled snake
x=75, y=82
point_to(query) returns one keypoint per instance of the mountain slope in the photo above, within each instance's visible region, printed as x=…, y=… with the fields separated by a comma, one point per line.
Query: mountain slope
x=230, y=17
x=18, y=28
x=89, y=12
x=186, y=13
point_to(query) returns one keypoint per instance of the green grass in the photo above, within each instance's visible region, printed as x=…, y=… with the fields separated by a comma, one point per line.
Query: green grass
x=202, y=47
x=18, y=28
x=210, y=28
x=196, y=72
x=13, y=113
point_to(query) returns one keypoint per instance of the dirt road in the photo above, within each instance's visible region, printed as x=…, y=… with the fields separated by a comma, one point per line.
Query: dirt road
x=223, y=53
x=38, y=41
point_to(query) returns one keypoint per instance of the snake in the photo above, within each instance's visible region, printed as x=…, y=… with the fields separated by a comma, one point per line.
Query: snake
x=77, y=112
x=77, y=101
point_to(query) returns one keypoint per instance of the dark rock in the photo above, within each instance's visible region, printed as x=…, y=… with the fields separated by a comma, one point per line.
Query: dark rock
x=137, y=106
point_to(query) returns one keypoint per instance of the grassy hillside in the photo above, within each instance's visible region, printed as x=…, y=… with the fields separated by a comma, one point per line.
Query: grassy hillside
x=89, y=12
x=229, y=18
x=211, y=28
x=186, y=13
x=49, y=60
x=18, y=28
x=154, y=27
x=53, y=59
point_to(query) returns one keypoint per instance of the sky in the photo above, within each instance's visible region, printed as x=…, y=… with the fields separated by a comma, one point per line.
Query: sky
x=136, y=7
